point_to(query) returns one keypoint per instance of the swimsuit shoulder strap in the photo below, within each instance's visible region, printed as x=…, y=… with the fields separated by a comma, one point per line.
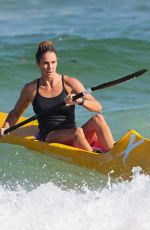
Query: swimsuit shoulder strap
x=38, y=84
x=63, y=82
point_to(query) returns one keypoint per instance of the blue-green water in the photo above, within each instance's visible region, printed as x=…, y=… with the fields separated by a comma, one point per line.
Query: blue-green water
x=97, y=41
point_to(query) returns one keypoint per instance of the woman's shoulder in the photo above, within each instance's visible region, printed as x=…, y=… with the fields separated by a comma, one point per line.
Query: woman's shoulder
x=71, y=80
x=31, y=85
x=29, y=90
x=73, y=83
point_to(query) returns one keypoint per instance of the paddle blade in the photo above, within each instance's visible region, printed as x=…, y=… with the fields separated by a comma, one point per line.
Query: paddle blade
x=120, y=80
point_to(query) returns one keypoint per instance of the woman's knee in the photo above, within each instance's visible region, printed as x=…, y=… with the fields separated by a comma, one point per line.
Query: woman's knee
x=79, y=132
x=98, y=118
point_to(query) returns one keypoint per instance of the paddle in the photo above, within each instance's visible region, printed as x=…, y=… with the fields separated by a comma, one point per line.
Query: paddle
x=87, y=91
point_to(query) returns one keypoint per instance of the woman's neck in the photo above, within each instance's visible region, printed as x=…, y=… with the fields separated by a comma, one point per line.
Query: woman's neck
x=51, y=81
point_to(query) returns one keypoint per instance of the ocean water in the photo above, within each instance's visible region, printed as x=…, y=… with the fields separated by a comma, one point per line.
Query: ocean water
x=97, y=41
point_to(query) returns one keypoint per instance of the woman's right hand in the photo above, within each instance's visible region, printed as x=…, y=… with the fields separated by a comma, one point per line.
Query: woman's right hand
x=2, y=132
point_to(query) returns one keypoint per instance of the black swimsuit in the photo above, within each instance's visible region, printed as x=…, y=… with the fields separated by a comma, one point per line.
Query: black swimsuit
x=61, y=118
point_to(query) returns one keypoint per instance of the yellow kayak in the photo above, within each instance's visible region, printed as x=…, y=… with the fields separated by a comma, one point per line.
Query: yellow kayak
x=130, y=151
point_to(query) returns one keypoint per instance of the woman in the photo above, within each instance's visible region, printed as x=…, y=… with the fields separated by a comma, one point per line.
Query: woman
x=59, y=125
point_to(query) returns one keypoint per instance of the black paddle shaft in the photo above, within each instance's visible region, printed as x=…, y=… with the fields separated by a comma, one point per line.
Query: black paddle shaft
x=111, y=83
x=87, y=91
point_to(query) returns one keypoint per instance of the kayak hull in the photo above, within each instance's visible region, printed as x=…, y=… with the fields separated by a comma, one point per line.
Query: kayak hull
x=130, y=151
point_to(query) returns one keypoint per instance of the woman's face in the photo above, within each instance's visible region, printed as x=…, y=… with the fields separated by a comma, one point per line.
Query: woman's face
x=48, y=64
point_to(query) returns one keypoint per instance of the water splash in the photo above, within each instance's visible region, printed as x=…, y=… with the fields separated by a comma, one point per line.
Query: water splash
x=116, y=206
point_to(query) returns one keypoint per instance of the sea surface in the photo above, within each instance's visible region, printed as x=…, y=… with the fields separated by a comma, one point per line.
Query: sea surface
x=97, y=41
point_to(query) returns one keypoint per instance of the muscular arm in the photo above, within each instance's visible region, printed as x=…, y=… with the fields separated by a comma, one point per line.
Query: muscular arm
x=74, y=86
x=21, y=105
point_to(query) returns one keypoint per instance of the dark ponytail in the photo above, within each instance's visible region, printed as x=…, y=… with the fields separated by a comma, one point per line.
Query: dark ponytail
x=43, y=47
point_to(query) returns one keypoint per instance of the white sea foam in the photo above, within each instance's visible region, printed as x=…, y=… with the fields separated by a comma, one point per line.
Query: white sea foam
x=115, y=207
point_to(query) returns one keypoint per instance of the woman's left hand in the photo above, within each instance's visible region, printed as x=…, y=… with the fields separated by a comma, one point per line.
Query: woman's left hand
x=69, y=101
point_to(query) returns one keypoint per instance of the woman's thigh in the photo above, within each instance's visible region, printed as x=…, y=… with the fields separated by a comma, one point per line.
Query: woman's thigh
x=64, y=136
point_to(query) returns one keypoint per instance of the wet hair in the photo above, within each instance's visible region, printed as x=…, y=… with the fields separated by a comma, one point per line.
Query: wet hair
x=44, y=47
